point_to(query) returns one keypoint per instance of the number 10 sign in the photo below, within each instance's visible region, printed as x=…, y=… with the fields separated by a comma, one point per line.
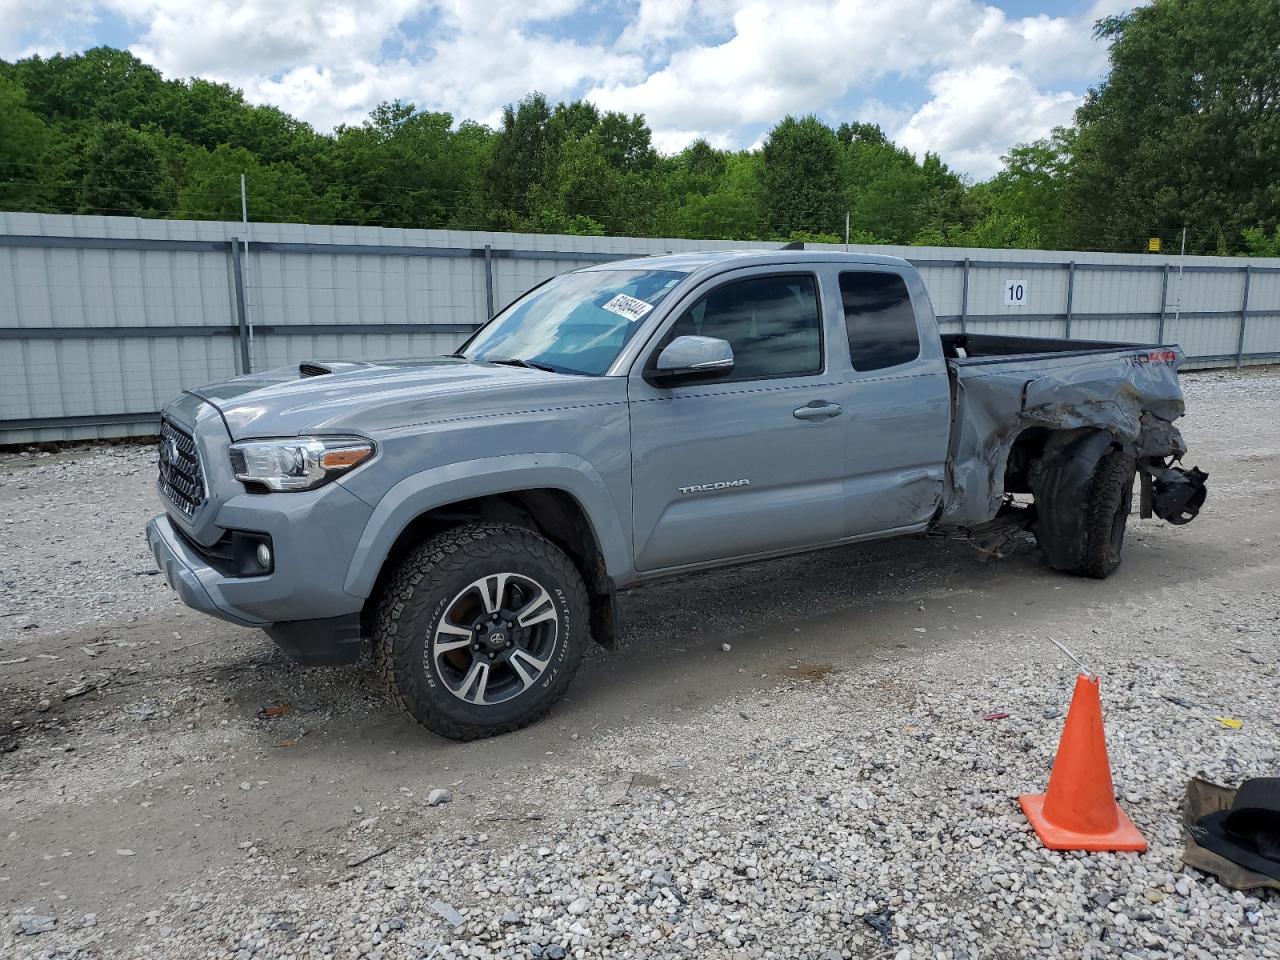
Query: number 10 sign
x=1015, y=293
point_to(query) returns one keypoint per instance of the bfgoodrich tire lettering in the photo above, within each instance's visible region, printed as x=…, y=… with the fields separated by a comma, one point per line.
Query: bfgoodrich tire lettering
x=480, y=630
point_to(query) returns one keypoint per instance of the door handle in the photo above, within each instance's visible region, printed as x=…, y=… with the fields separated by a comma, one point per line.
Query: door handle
x=817, y=410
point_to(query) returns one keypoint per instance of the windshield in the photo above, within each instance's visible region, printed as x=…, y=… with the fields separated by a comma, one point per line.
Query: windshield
x=575, y=323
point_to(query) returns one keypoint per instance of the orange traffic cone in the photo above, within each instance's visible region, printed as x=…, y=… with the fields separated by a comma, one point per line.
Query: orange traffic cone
x=1079, y=810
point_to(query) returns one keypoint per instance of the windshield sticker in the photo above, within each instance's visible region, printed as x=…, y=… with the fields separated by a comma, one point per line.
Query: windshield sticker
x=628, y=307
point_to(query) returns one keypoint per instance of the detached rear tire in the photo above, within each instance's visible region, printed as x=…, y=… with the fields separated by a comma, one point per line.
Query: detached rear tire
x=1087, y=543
x=1107, y=514
x=480, y=630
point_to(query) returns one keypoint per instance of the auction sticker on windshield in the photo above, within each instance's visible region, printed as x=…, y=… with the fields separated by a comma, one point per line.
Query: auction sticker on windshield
x=628, y=307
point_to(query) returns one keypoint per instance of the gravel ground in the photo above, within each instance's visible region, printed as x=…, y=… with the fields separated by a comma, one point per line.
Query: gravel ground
x=70, y=530
x=827, y=787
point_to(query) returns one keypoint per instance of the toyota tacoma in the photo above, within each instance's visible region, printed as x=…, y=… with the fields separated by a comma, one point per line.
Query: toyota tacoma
x=471, y=518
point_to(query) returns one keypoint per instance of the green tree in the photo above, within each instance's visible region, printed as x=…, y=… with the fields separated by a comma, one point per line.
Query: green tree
x=1000, y=229
x=522, y=152
x=125, y=174
x=581, y=187
x=1258, y=243
x=858, y=132
x=1185, y=129
x=1033, y=187
x=715, y=196
x=800, y=177
x=883, y=189
x=702, y=160
x=212, y=114
x=404, y=168
x=102, y=84
x=210, y=189
x=627, y=142
x=946, y=205
x=24, y=137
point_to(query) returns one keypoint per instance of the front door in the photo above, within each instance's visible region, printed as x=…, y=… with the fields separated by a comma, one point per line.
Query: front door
x=753, y=461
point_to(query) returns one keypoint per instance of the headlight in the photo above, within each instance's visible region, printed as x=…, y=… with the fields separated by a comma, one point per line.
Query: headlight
x=299, y=463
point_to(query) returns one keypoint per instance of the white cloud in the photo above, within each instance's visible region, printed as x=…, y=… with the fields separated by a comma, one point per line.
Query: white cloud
x=977, y=113
x=673, y=141
x=655, y=22
x=807, y=56
x=44, y=27
x=260, y=37
x=954, y=76
x=327, y=63
x=475, y=73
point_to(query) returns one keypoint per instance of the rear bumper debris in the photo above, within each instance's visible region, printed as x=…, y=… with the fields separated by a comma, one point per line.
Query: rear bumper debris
x=1171, y=493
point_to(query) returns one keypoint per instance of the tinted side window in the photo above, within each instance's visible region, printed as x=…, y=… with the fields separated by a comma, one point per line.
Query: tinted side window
x=772, y=324
x=879, y=320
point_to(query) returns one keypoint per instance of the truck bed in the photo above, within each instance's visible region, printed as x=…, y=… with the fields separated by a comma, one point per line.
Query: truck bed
x=1003, y=386
x=968, y=349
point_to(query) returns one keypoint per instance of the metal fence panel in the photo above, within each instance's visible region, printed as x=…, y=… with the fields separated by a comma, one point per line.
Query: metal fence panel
x=1204, y=337
x=1114, y=291
x=1131, y=329
x=102, y=319
x=1264, y=291
x=1262, y=336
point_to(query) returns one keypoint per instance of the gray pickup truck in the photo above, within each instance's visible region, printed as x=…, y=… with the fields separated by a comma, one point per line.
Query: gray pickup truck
x=473, y=516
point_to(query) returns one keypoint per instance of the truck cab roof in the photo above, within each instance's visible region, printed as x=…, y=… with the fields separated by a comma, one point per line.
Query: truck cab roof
x=695, y=261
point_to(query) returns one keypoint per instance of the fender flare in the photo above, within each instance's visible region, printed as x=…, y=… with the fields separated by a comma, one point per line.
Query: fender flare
x=452, y=483
x=1061, y=488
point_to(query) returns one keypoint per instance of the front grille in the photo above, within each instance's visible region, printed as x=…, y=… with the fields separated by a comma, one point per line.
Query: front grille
x=181, y=478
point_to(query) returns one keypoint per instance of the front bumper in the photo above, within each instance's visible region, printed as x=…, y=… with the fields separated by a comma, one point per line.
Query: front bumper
x=301, y=603
x=325, y=641
x=197, y=584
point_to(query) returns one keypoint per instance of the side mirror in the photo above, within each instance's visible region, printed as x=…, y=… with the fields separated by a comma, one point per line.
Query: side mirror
x=686, y=357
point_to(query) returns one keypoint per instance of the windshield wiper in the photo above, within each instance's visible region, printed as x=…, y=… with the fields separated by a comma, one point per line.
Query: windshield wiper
x=520, y=362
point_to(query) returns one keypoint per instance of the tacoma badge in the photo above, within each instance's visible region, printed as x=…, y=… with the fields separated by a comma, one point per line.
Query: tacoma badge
x=708, y=487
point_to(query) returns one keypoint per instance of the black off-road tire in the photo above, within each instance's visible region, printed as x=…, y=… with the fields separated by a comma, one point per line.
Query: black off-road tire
x=419, y=593
x=1107, y=510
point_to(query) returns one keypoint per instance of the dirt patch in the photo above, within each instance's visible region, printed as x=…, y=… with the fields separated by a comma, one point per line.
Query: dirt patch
x=803, y=671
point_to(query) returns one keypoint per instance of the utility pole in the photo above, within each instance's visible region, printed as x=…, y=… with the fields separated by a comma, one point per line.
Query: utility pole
x=846, y=231
x=1182, y=256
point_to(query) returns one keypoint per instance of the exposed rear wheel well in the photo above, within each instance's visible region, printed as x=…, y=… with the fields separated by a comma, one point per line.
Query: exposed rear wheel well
x=1026, y=450
x=550, y=513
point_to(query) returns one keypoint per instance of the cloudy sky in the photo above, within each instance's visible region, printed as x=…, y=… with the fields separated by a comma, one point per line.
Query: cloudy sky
x=964, y=78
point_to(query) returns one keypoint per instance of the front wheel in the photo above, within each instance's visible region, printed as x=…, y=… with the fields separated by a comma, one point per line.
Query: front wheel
x=480, y=630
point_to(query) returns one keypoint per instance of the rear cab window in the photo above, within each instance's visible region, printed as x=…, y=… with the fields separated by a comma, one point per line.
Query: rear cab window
x=879, y=319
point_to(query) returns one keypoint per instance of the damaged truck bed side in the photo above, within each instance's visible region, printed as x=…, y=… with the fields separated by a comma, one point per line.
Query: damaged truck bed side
x=470, y=518
x=1042, y=416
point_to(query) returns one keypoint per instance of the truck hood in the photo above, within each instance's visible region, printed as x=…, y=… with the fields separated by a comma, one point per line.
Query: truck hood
x=368, y=397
